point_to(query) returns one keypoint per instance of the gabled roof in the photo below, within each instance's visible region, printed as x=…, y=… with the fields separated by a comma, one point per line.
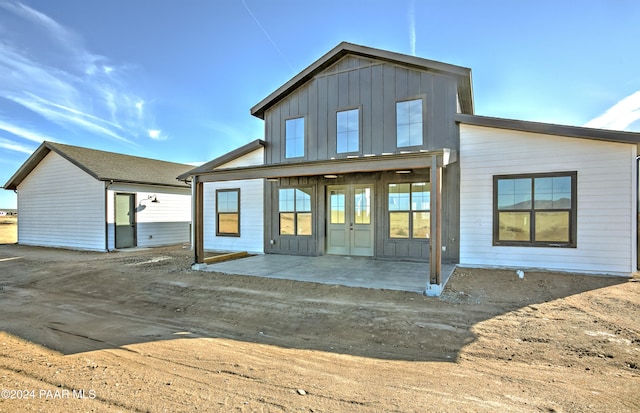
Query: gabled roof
x=106, y=166
x=226, y=158
x=550, y=129
x=463, y=74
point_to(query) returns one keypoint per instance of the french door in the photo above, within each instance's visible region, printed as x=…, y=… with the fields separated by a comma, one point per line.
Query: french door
x=350, y=226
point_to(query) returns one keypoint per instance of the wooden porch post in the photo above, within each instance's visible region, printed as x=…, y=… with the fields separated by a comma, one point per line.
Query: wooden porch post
x=435, y=258
x=198, y=238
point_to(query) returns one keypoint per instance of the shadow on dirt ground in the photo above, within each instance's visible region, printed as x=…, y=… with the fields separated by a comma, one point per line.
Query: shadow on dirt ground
x=76, y=302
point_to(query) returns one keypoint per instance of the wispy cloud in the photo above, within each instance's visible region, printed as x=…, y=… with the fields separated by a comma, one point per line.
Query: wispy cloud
x=25, y=133
x=47, y=69
x=38, y=18
x=13, y=146
x=70, y=116
x=412, y=26
x=619, y=116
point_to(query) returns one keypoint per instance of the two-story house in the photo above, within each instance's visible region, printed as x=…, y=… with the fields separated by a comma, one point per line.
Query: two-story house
x=364, y=155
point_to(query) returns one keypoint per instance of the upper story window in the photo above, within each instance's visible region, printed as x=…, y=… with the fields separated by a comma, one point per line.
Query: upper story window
x=348, y=131
x=294, y=138
x=409, y=123
x=228, y=212
x=535, y=210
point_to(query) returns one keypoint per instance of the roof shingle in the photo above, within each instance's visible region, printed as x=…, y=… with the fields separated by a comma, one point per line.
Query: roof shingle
x=106, y=166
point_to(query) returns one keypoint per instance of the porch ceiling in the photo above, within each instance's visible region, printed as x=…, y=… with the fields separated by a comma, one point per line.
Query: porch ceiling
x=402, y=161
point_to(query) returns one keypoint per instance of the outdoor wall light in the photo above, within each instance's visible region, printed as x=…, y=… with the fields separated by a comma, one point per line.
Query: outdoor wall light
x=404, y=172
x=331, y=176
x=272, y=179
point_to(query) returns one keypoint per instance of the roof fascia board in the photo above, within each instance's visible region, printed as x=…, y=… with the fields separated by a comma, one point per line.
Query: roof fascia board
x=417, y=62
x=178, y=184
x=550, y=129
x=340, y=166
x=38, y=155
x=46, y=147
x=466, y=89
x=28, y=166
x=344, y=49
x=226, y=158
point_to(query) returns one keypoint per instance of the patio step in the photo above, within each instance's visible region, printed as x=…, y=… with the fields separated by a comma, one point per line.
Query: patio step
x=226, y=257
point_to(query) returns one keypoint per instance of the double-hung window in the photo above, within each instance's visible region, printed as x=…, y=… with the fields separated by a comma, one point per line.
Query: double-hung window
x=295, y=211
x=348, y=131
x=228, y=212
x=294, y=138
x=535, y=209
x=409, y=210
x=409, y=130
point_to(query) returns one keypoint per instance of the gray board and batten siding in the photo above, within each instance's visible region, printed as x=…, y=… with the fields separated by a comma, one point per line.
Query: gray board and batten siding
x=374, y=87
x=315, y=244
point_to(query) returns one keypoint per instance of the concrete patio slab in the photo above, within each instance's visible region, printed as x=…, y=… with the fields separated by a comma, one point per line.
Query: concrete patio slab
x=339, y=270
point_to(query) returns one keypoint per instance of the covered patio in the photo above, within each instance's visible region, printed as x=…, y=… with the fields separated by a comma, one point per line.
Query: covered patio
x=338, y=270
x=428, y=277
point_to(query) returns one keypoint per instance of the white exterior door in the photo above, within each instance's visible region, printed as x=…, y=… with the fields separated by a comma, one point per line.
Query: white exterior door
x=350, y=220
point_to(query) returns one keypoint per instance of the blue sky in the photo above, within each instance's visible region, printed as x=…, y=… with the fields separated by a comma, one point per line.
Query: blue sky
x=175, y=80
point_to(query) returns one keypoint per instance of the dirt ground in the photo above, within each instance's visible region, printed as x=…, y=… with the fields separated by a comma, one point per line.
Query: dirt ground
x=8, y=229
x=139, y=331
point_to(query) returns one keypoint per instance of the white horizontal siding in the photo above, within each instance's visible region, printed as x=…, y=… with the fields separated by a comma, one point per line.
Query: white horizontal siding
x=166, y=222
x=251, y=159
x=606, y=191
x=251, y=237
x=60, y=205
x=153, y=234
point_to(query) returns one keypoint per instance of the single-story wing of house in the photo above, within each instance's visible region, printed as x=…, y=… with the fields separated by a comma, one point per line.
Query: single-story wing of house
x=377, y=154
x=234, y=217
x=553, y=197
x=80, y=198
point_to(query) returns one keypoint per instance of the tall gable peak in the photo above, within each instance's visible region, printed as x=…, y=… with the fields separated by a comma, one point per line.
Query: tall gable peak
x=356, y=54
x=350, y=62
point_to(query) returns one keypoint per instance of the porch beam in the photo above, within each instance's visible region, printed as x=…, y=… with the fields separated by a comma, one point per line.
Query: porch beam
x=416, y=160
x=435, y=256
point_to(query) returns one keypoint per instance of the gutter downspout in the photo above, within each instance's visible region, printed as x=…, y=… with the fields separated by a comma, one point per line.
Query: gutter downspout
x=638, y=212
